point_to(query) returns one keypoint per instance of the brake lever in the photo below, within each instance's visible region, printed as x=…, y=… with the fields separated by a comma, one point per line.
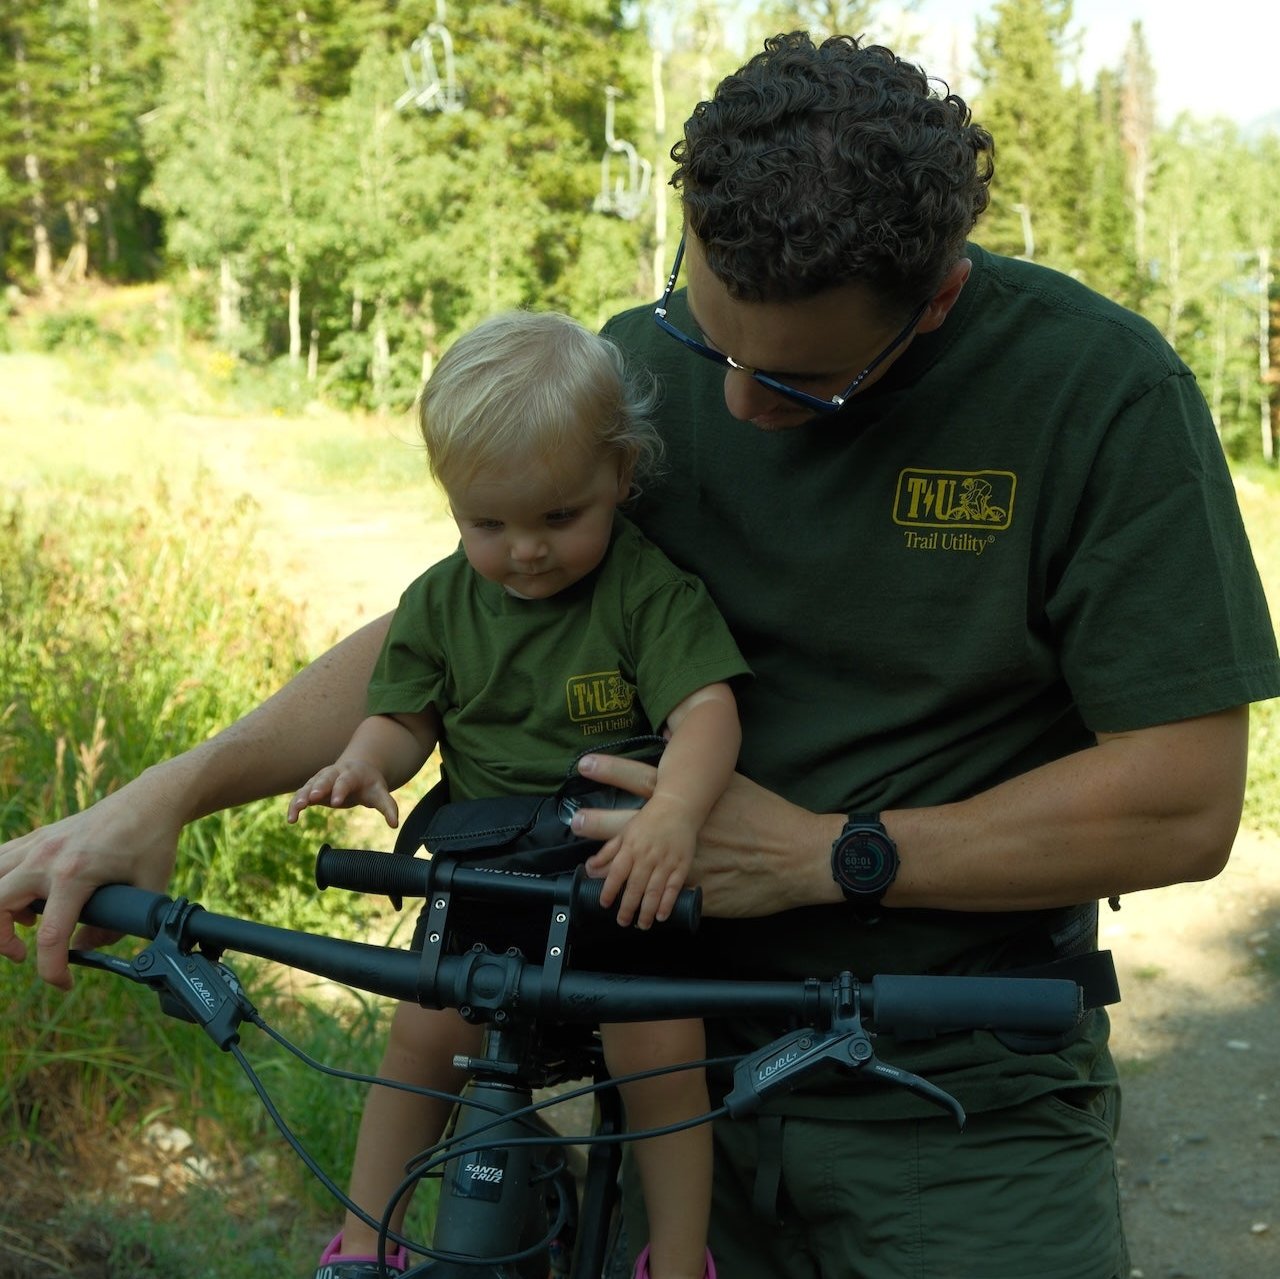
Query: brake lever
x=191, y=986
x=783, y=1065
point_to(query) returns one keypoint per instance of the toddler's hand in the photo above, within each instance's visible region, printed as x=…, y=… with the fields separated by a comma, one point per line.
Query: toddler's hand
x=647, y=863
x=344, y=785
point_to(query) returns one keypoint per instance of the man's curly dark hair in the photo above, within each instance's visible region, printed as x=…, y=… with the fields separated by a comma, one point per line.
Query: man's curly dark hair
x=816, y=165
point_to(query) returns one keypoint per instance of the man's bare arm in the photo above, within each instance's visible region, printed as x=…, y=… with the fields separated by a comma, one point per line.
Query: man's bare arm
x=131, y=835
x=1139, y=810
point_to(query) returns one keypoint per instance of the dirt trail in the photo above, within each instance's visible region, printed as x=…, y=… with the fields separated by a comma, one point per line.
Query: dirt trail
x=1198, y=1039
x=344, y=559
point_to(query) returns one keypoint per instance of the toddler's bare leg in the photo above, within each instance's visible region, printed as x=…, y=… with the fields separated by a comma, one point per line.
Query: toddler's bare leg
x=675, y=1170
x=397, y=1125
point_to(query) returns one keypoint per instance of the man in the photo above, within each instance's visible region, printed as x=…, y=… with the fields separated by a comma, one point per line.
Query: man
x=983, y=555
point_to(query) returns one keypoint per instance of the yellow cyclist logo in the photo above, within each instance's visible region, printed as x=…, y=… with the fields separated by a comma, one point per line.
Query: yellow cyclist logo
x=955, y=499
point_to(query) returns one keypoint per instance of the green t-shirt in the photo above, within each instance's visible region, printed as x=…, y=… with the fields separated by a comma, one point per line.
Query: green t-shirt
x=1025, y=533
x=525, y=686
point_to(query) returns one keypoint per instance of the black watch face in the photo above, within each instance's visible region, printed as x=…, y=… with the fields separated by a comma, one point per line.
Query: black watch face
x=867, y=862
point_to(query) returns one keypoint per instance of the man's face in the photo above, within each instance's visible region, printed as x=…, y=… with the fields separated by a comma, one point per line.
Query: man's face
x=817, y=345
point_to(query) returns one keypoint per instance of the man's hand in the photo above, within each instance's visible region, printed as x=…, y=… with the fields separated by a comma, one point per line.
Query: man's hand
x=756, y=853
x=130, y=837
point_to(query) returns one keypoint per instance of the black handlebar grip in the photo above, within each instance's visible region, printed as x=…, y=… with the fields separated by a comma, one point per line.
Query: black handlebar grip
x=921, y=1007
x=366, y=871
x=685, y=915
x=121, y=909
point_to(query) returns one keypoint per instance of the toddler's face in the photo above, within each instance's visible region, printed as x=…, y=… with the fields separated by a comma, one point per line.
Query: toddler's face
x=538, y=527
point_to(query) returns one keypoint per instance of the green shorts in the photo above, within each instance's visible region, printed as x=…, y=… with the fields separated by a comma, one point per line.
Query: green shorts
x=1028, y=1191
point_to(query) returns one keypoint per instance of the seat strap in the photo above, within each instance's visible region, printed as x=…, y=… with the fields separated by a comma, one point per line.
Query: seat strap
x=1094, y=971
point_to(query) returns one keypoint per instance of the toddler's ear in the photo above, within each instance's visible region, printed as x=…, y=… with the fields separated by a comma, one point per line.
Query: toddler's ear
x=626, y=469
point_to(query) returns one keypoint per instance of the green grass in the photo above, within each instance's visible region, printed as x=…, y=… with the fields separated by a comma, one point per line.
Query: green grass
x=137, y=620
x=93, y=1070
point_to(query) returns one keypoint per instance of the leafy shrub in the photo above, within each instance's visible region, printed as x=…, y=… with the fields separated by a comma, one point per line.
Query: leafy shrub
x=58, y=329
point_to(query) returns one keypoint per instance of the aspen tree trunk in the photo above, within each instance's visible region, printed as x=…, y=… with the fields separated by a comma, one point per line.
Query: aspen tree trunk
x=381, y=365
x=1176, y=299
x=1265, y=382
x=295, y=315
x=313, y=351
x=659, y=167
x=228, y=301
x=42, y=248
x=1218, y=375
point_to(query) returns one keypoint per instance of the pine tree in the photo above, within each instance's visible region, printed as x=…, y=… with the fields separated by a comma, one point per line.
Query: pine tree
x=1105, y=258
x=27, y=93
x=821, y=18
x=75, y=79
x=1023, y=55
x=1137, y=131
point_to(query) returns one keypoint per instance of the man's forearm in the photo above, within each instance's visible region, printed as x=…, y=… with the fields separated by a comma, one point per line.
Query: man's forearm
x=1137, y=811
x=279, y=745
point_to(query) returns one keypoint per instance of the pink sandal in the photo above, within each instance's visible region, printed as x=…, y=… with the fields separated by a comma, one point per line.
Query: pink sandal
x=336, y=1264
x=642, y=1265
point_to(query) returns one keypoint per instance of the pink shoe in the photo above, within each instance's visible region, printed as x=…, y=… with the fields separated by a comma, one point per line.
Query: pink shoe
x=642, y=1265
x=335, y=1264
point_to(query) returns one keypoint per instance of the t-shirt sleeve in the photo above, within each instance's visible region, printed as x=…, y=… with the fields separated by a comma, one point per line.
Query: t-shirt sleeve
x=681, y=644
x=1159, y=608
x=410, y=671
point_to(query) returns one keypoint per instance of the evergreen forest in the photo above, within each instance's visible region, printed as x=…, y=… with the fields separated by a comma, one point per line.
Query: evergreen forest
x=336, y=188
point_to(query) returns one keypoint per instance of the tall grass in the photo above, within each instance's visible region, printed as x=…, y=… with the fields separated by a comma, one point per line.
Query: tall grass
x=134, y=625
x=1259, y=493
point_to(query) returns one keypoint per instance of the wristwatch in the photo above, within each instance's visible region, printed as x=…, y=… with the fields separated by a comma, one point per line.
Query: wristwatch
x=864, y=862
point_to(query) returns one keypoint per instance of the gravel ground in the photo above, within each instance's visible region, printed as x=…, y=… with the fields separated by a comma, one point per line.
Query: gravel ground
x=1198, y=1039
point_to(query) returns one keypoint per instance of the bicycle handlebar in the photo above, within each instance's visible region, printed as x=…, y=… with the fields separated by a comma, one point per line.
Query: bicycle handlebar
x=838, y=1014
x=906, y=1006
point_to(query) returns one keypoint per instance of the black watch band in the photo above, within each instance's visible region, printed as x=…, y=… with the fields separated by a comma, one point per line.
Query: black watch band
x=864, y=862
